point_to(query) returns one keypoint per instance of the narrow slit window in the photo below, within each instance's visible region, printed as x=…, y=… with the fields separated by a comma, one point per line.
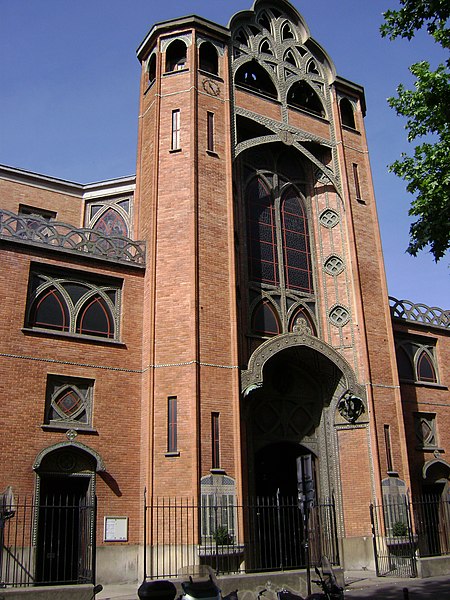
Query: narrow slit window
x=151, y=69
x=172, y=424
x=387, y=442
x=176, y=123
x=215, y=437
x=357, y=184
x=210, y=131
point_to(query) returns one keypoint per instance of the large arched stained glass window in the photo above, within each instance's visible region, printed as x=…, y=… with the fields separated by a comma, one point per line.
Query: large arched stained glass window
x=64, y=302
x=416, y=362
x=262, y=245
x=278, y=232
x=296, y=254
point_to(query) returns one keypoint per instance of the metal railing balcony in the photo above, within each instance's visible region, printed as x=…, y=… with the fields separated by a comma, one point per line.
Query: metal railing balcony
x=54, y=235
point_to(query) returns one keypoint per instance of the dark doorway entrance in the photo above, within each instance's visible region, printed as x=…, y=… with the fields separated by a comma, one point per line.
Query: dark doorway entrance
x=278, y=521
x=276, y=469
x=64, y=543
x=432, y=519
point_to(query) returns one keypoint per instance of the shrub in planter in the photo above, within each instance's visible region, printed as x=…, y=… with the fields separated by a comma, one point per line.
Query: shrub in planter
x=222, y=537
x=399, y=529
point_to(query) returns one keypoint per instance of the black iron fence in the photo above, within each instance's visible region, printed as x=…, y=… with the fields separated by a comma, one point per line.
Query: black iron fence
x=432, y=525
x=230, y=536
x=405, y=530
x=52, y=542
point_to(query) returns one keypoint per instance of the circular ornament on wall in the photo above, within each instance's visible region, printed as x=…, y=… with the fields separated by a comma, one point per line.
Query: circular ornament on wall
x=329, y=218
x=67, y=461
x=350, y=407
x=339, y=316
x=286, y=137
x=211, y=87
x=334, y=265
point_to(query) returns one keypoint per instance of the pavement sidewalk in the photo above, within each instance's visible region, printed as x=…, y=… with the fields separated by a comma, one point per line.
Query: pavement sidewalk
x=359, y=585
x=365, y=584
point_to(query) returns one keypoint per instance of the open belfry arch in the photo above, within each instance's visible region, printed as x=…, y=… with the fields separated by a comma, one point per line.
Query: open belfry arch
x=268, y=240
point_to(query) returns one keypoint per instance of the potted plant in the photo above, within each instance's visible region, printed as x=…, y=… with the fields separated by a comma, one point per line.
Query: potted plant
x=399, y=529
x=222, y=537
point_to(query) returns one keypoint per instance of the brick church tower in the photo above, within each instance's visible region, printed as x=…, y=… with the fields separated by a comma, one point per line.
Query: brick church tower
x=268, y=328
x=184, y=190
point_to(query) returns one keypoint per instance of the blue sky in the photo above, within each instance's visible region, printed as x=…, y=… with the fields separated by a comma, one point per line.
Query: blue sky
x=69, y=97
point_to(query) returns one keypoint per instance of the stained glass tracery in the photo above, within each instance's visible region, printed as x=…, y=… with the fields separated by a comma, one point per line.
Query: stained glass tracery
x=265, y=238
x=73, y=306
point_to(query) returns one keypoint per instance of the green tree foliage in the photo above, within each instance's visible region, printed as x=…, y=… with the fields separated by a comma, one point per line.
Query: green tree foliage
x=427, y=112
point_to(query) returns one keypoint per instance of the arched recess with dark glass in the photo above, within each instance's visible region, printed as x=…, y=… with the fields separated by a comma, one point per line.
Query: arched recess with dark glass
x=265, y=320
x=290, y=58
x=347, y=114
x=254, y=77
x=261, y=234
x=264, y=21
x=176, y=56
x=95, y=318
x=404, y=364
x=301, y=95
x=241, y=37
x=111, y=223
x=425, y=368
x=50, y=311
x=296, y=251
x=265, y=48
x=286, y=32
x=208, y=58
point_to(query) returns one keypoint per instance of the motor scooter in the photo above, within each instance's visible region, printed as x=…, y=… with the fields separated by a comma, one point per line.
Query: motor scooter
x=200, y=589
x=327, y=582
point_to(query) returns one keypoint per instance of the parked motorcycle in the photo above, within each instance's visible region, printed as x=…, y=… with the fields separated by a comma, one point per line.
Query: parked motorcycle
x=200, y=589
x=327, y=582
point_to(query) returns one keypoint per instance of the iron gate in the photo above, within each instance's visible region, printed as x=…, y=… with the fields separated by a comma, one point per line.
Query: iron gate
x=394, y=542
x=234, y=536
x=50, y=542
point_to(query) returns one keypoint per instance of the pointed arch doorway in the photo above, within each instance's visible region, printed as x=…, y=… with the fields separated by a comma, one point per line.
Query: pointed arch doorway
x=65, y=511
x=291, y=390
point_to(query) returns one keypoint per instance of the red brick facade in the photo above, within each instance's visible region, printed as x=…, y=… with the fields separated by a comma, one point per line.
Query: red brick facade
x=326, y=385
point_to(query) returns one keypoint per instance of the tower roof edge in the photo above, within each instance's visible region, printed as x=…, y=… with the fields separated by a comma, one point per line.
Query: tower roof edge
x=167, y=26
